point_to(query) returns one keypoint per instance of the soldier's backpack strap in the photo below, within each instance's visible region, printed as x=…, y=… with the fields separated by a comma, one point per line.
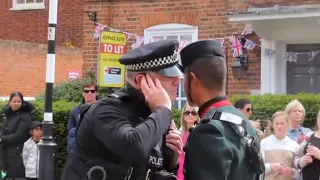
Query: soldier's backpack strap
x=251, y=143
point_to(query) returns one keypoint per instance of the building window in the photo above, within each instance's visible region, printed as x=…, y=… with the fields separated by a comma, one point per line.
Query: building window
x=27, y=4
x=175, y=32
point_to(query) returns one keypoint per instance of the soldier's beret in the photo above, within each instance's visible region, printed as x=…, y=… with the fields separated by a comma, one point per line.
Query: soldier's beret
x=160, y=57
x=200, y=49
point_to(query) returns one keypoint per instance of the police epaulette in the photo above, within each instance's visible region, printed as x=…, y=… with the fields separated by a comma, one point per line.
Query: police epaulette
x=118, y=95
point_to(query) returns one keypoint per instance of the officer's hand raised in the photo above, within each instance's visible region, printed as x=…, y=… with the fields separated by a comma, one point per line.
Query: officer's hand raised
x=154, y=93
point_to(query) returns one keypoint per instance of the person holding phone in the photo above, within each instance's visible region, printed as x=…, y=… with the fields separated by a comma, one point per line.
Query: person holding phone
x=223, y=145
x=128, y=134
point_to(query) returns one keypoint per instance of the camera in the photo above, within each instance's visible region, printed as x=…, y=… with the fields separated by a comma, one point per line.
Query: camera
x=263, y=124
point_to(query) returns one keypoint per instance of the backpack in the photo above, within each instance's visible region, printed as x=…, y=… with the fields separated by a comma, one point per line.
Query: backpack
x=72, y=133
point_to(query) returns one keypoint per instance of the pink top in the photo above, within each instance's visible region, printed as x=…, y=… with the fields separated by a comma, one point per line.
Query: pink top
x=181, y=158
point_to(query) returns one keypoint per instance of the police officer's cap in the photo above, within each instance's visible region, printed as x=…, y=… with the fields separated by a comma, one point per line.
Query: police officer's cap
x=200, y=49
x=160, y=57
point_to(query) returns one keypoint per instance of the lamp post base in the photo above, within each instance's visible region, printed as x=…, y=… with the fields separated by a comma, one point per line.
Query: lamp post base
x=47, y=153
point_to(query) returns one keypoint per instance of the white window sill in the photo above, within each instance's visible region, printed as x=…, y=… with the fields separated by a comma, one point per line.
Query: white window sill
x=21, y=7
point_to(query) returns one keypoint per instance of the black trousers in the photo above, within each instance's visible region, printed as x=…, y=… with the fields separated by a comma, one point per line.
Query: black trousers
x=32, y=178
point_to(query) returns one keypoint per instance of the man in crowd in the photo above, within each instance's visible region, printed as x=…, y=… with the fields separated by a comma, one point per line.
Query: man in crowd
x=127, y=135
x=216, y=146
x=89, y=96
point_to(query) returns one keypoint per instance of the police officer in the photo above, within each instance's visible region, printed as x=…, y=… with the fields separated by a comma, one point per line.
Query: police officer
x=220, y=147
x=127, y=135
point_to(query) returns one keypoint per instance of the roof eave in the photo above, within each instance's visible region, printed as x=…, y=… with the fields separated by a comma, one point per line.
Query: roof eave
x=271, y=16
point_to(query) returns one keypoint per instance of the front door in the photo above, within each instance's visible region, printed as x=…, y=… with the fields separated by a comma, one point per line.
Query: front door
x=304, y=74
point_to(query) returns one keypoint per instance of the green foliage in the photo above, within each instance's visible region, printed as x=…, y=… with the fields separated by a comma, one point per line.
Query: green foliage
x=265, y=105
x=71, y=91
x=176, y=116
x=263, y=108
x=61, y=110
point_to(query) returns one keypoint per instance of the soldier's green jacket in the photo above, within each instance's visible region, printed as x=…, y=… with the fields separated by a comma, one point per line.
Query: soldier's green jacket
x=214, y=151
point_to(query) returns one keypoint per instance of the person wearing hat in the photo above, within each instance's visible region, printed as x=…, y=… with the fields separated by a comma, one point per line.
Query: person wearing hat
x=30, y=152
x=216, y=147
x=127, y=135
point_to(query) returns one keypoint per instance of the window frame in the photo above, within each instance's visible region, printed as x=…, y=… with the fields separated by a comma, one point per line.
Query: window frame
x=172, y=29
x=27, y=6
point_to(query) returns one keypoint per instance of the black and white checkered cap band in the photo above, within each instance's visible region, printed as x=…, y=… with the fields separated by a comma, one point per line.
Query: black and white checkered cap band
x=154, y=63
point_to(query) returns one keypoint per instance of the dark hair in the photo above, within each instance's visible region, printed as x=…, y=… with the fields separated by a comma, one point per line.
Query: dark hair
x=90, y=84
x=211, y=71
x=14, y=94
x=241, y=103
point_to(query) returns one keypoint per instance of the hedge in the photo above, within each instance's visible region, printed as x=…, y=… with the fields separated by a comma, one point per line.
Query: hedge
x=263, y=108
x=61, y=110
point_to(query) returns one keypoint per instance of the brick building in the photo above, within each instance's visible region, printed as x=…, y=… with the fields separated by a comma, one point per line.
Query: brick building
x=279, y=25
x=205, y=19
x=23, y=44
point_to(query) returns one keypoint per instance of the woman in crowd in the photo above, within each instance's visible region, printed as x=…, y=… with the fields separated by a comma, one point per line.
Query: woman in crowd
x=15, y=131
x=278, y=151
x=307, y=157
x=189, y=118
x=296, y=114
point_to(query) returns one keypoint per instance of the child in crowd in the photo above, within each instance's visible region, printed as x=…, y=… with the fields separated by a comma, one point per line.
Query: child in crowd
x=30, y=154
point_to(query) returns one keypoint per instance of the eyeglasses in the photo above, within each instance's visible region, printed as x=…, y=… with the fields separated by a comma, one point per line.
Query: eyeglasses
x=193, y=113
x=87, y=91
x=249, y=109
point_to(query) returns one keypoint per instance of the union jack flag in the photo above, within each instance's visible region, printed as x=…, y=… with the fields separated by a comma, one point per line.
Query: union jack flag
x=138, y=42
x=182, y=44
x=97, y=30
x=222, y=43
x=249, y=44
x=154, y=39
x=236, y=46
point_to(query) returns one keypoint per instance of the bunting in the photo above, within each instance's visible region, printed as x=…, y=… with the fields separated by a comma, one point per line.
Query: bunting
x=235, y=43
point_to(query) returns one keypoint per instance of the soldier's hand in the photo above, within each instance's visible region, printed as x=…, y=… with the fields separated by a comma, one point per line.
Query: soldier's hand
x=174, y=142
x=154, y=93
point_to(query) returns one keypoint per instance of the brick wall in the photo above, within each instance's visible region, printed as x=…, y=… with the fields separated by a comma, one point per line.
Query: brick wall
x=208, y=15
x=23, y=66
x=31, y=25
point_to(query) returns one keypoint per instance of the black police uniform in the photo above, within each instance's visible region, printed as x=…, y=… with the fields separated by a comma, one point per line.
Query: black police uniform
x=119, y=138
x=223, y=145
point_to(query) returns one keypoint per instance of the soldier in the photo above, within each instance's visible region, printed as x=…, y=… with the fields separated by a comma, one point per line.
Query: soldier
x=127, y=135
x=223, y=145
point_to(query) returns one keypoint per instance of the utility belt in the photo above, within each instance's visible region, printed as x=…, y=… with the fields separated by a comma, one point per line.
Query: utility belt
x=160, y=175
x=99, y=169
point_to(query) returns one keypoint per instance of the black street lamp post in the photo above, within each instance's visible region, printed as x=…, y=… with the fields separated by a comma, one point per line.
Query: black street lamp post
x=47, y=146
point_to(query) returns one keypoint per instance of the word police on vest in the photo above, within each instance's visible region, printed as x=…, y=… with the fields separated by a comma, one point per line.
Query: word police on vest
x=156, y=161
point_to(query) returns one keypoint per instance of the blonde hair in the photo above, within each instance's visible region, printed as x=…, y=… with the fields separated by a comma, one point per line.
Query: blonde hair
x=294, y=103
x=280, y=114
x=183, y=124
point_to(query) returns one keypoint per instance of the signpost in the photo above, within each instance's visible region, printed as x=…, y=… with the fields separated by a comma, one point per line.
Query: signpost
x=46, y=145
x=112, y=46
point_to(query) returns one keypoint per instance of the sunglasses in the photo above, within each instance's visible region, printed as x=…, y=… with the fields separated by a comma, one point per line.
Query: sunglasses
x=249, y=109
x=87, y=91
x=193, y=113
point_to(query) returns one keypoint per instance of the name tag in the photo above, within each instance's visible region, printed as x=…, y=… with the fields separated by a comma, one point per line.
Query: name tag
x=156, y=161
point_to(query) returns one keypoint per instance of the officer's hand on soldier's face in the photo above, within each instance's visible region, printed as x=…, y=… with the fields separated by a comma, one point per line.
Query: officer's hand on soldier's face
x=154, y=93
x=174, y=142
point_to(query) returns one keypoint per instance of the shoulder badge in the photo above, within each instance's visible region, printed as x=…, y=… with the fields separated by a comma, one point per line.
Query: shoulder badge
x=118, y=95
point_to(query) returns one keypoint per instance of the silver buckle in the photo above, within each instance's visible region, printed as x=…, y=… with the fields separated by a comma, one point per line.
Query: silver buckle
x=89, y=173
x=148, y=175
x=129, y=173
